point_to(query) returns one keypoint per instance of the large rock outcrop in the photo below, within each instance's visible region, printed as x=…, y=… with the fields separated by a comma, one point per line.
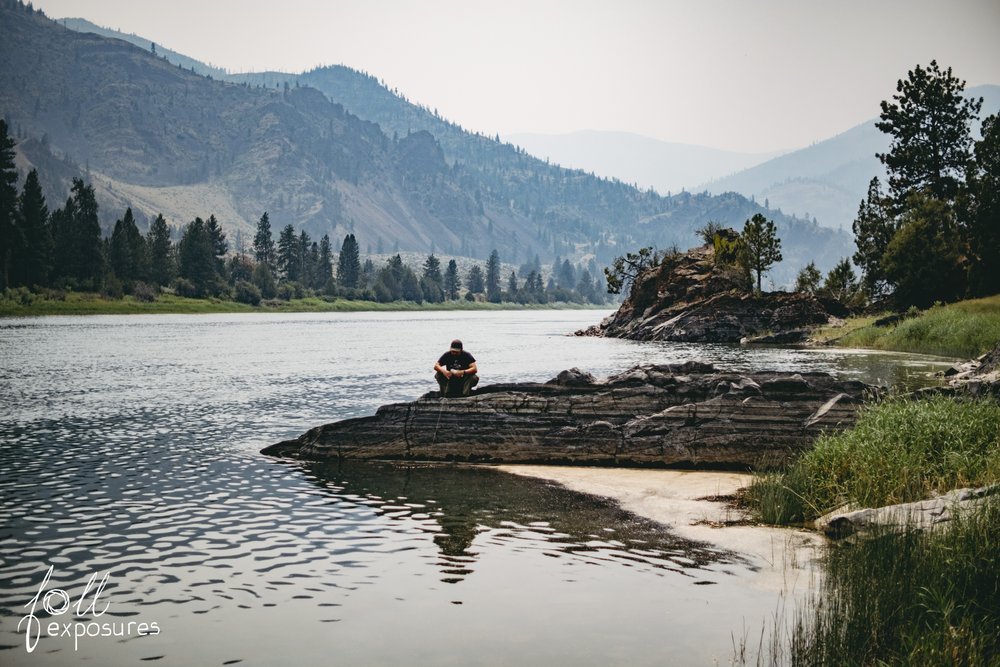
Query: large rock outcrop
x=682, y=414
x=689, y=298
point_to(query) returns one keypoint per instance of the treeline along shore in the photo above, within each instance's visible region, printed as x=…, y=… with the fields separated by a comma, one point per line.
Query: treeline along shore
x=48, y=256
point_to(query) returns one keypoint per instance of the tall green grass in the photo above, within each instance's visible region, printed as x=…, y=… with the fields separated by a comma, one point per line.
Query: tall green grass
x=900, y=450
x=964, y=329
x=923, y=598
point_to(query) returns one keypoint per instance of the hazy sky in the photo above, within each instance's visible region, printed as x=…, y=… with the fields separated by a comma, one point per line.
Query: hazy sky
x=741, y=75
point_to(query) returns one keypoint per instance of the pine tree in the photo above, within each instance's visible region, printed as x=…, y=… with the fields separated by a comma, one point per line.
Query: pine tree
x=475, y=282
x=305, y=258
x=324, y=266
x=161, y=258
x=36, y=263
x=349, y=263
x=83, y=249
x=512, y=286
x=128, y=255
x=263, y=243
x=923, y=259
x=808, y=279
x=196, y=258
x=452, y=283
x=929, y=121
x=566, y=278
x=763, y=247
x=983, y=212
x=841, y=283
x=287, y=257
x=873, y=229
x=11, y=239
x=493, y=277
x=410, y=286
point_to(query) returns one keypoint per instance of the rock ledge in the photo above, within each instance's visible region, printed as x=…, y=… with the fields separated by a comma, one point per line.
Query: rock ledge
x=680, y=414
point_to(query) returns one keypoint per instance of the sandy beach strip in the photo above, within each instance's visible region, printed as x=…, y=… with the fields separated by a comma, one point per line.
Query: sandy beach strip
x=676, y=498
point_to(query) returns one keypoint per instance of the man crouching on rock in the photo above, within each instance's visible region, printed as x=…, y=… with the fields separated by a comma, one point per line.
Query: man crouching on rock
x=455, y=371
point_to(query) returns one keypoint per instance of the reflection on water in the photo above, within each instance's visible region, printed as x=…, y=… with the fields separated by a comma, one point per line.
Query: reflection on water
x=129, y=445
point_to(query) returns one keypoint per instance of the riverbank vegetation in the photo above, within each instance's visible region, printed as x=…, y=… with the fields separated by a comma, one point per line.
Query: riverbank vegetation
x=901, y=596
x=965, y=329
x=900, y=450
x=24, y=303
x=921, y=598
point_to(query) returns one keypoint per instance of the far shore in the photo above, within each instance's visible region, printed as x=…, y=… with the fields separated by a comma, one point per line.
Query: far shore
x=88, y=303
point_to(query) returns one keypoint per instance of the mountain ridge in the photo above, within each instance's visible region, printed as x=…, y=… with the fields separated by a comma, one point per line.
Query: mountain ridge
x=332, y=151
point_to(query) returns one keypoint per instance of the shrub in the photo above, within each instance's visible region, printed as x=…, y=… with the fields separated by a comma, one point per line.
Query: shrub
x=184, y=287
x=113, y=288
x=144, y=292
x=286, y=291
x=246, y=292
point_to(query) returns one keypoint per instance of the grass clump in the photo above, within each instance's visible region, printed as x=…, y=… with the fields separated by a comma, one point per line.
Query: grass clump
x=907, y=598
x=900, y=450
x=964, y=329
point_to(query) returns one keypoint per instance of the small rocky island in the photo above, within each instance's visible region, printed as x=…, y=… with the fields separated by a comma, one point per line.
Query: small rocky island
x=690, y=297
x=689, y=414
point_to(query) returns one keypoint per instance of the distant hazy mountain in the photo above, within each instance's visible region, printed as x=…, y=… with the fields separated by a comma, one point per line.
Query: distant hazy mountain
x=829, y=179
x=162, y=138
x=648, y=163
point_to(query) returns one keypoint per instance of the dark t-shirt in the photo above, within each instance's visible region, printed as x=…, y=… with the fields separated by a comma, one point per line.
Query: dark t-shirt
x=456, y=362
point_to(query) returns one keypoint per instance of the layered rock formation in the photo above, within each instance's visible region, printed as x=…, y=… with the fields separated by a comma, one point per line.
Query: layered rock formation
x=689, y=298
x=689, y=414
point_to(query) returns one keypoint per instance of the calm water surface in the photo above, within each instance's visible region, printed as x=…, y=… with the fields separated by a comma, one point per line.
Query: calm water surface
x=129, y=446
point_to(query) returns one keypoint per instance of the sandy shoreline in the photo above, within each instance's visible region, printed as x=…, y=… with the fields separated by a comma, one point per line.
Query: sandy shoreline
x=783, y=557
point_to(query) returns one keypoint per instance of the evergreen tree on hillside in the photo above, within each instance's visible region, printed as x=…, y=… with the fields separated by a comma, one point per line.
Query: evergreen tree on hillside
x=219, y=244
x=923, y=258
x=11, y=239
x=410, y=286
x=196, y=258
x=452, y=283
x=512, y=286
x=324, y=265
x=566, y=275
x=35, y=265
x=475, y=282
x=983, y=212
x=808, y=279
x=431, y=282
x=77, y=239
x=263, y=243
x=305, y=258
x=763, y=247
x=841, y=283
x=929, y=121
x=349, y=263
x=493, y=293
x=128, y=254
x=161, y=258
x=873, y=229
x=287, y=257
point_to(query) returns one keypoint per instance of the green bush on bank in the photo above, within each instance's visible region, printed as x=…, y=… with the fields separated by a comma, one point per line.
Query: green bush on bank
x=900, y=450
x=964, y=329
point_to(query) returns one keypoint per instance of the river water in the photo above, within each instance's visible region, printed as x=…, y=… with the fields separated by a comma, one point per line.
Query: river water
x=129, y=447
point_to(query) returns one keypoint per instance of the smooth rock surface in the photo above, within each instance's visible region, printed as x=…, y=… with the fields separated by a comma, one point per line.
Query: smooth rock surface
x=681, y=414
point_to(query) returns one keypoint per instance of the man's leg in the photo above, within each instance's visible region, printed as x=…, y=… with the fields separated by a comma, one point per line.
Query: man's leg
x=470, y=381
x=442, y=383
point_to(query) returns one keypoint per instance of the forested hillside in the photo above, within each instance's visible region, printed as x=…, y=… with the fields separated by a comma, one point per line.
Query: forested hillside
x=331, y=151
